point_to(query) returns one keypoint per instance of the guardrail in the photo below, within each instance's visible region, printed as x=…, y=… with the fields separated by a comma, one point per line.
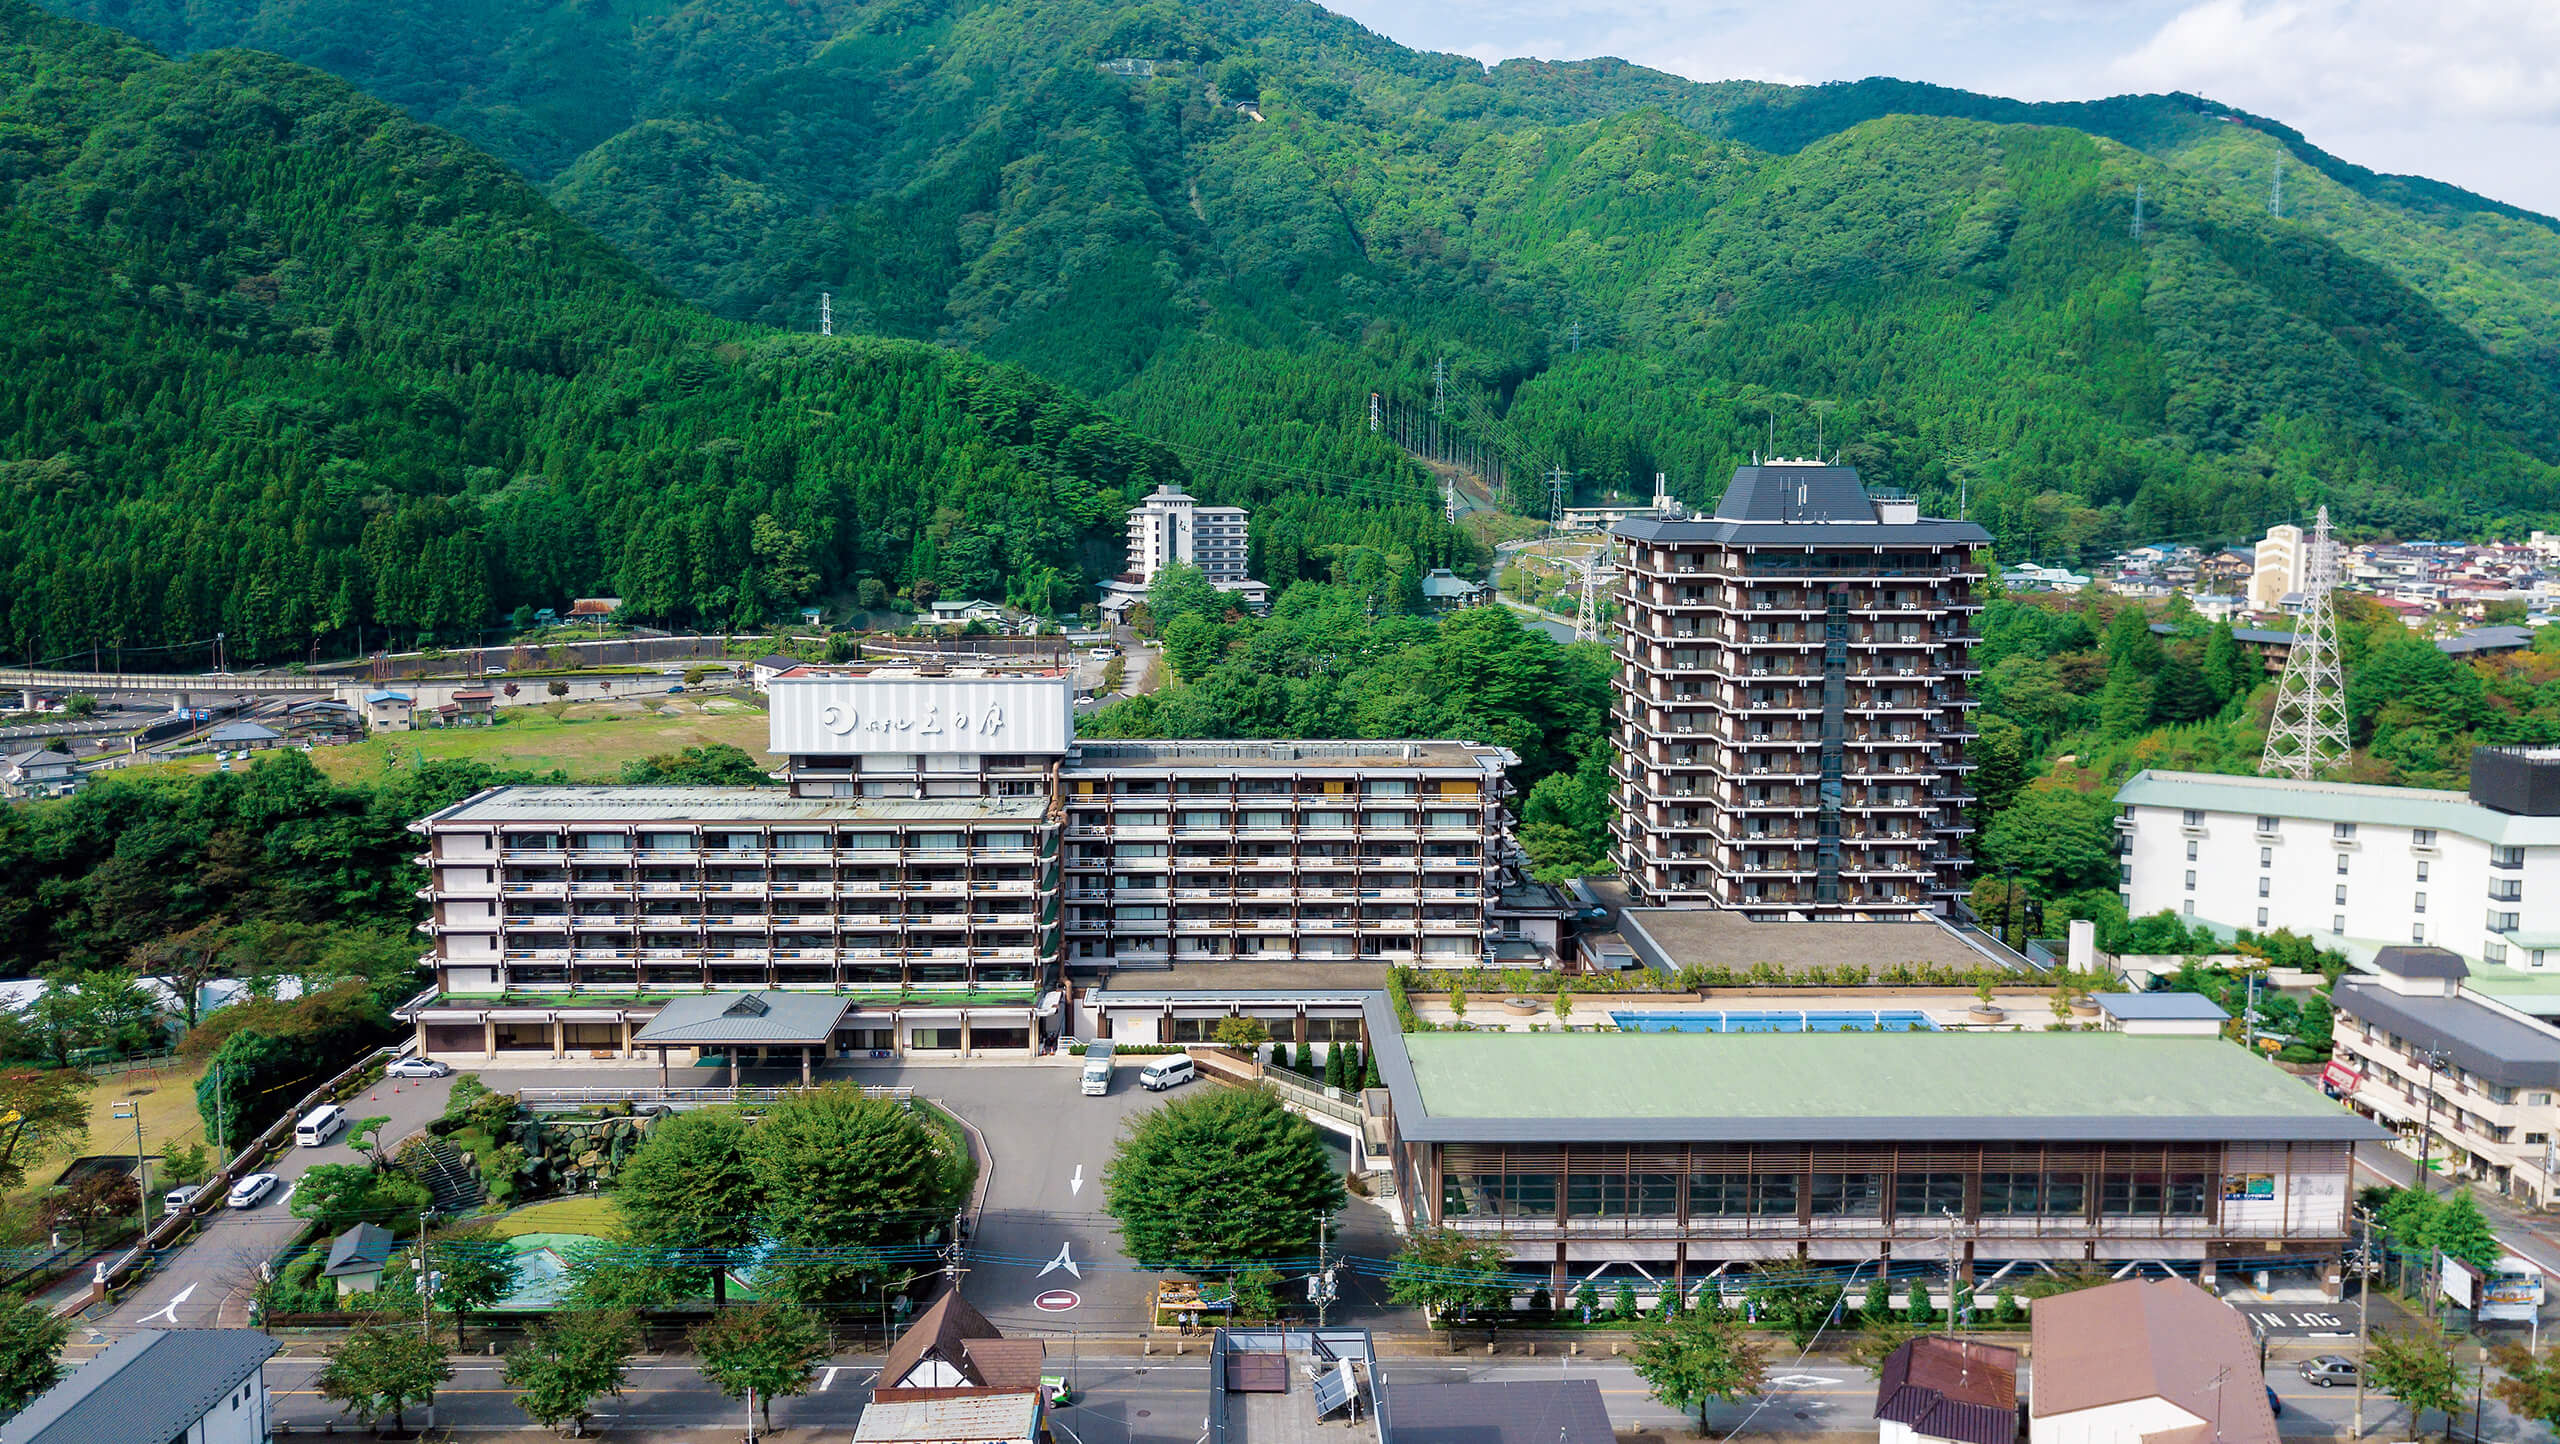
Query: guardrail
x=561, y=1100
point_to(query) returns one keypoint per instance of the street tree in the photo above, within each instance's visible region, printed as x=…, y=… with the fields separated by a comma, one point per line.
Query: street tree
x=688, y=1187
x=568, y=1363
x=759, y=1352
x=2458, y=1230
x=474, y=1271
x=842, y=1171
x=384, y=1369
x=2531, y=1386
x=2415, y=1365
x=1450, y=1273
x=1695, y=1359
x=31, y=1340
x=1221, y=1177
x=52, y=1108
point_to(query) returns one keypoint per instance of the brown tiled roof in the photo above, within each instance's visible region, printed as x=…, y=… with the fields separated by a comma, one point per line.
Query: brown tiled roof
x=2156, y=1338
x=1005, y=1363
x=1951, y=1389
x=941, y=1332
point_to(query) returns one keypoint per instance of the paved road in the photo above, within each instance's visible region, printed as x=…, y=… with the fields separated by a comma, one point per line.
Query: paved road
x=208, y=1281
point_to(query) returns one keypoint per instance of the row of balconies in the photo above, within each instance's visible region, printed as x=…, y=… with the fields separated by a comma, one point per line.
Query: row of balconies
x=1779, y=566
x=575, y=956
x=740, y=855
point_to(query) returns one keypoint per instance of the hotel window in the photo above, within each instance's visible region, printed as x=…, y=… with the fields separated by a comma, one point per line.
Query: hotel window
x=2191, y=852
x=2338, y=924
x=2422, y=872
x=2191, y=907
x=2266, y=857
x=2342, y=864
x=2506, y=889
x=2422, y=837
x=2194, y=818
x=2419, y=905
x=2266, y=824
x=2341, y=898
x=2343, y=831
x=2494, y=952
x=2264, y=884
x=2417, y=932
x=2262, y=917
x=2191, y=879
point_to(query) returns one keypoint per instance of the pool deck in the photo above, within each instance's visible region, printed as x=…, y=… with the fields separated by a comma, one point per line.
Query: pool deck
x=1946, y=1008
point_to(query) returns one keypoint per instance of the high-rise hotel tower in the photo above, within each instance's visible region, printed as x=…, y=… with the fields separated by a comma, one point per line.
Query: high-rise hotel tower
x=1795, y=695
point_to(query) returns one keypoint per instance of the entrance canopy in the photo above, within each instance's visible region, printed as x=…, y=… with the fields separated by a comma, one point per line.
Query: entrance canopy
x=745, y=1020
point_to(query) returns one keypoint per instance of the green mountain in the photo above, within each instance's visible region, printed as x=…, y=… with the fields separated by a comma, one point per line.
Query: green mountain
x=1624, y=272
x=287, y=365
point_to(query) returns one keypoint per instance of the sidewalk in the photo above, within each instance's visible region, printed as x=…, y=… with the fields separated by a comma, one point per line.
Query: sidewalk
x=2398, y=1169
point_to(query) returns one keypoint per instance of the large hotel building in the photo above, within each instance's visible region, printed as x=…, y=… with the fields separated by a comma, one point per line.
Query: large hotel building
x=1795, y=695
x=946, y=858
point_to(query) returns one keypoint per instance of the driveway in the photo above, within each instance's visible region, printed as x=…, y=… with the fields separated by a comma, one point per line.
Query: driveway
x=207, y=1282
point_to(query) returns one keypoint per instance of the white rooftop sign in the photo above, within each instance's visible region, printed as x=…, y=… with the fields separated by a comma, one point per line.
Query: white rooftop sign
x=840, y=715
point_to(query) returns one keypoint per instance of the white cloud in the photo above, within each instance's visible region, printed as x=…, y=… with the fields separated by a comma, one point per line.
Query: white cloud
x=2466, y=91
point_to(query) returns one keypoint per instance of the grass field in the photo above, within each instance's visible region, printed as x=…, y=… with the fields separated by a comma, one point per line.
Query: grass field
x=167, y=1099
x=591, y=1216
x=588, y=740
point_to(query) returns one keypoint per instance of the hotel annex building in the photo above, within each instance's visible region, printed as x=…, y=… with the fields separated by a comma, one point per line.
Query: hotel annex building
x=949, y=860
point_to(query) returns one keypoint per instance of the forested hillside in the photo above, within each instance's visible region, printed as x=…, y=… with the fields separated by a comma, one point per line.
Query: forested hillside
x=1626, y=272
x=285, y=364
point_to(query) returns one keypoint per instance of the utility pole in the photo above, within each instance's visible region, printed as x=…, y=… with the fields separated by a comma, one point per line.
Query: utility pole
x=141, y=1179
x=2364, y=1309
x=2137, y=214
x=826, y=313
x=952, y=1268
x=1951, y=1269
x=1324, y=1275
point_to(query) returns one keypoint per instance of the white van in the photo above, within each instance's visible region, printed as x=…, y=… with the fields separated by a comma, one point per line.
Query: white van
x=1097, y=1069
x=1166, y=1073
x=319, y=1126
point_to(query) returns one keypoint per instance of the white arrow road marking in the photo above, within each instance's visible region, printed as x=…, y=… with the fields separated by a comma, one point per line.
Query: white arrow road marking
x=1076, y=1184
x=1802, y=1381
x=1065, y=1260
x=829, y=1379
x=169, y=1311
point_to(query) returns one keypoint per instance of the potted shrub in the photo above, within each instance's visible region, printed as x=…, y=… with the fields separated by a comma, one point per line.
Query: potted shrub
x=1984, y=1009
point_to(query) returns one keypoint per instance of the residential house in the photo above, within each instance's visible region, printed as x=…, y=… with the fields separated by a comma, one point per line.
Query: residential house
x=2142, y=1362
x=244, y=736
x=1947, y=1391
x=474, y=708
x=594, y=609
x=157, y=1386
x=962, y=613
x=1446, y=591
x=952, y=1346
x=387, y=711
x=38, y=769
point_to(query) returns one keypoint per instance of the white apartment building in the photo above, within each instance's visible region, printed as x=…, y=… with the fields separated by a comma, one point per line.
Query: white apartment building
x=2463, y=1077
x=2354, y=866
x=1794, y=699
x=945, y=858
x=1171, y=528
x=2282, y=566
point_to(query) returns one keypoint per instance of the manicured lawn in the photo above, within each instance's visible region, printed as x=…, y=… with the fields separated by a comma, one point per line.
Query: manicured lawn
x=589, y=740
x=592, y=1216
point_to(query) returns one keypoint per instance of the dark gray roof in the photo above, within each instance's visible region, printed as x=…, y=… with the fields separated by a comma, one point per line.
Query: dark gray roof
x=747, y=1019
x=2477, y=1038
x=242, y=732
x=151, y=1384
x=780, y=663
x=1809, y=492
x=2411, y=961
x=1510, y=1411
x=2487, y=639
x=2160, y=1007
x=360, y=1250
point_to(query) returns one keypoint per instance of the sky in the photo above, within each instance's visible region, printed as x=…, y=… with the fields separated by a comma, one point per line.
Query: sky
x=2466, y=91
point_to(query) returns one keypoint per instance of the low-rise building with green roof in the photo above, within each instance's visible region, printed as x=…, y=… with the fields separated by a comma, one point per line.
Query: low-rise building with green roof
x=1675, y=1156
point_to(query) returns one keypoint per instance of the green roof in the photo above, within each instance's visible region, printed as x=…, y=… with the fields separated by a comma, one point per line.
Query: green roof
x=1593, y=1086
x=2338, y=802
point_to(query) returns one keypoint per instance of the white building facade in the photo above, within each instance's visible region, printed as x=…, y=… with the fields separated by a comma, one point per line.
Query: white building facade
x=2279, y=568
x=1171, y=528
x=2358, y=867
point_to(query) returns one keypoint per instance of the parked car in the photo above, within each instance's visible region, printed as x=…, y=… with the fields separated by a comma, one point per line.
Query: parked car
x=252, y=1190
x=1105, y=654
x=179, y=1197
x=416, y=1068
x=2329, y=1370
x=493, y=671
x=2275, y=1405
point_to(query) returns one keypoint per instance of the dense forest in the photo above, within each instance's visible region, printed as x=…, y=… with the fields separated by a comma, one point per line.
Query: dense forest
x=289, y=366
x=1231, y=221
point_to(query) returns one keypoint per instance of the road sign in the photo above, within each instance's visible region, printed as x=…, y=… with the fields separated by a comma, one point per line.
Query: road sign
x=1056, y=1301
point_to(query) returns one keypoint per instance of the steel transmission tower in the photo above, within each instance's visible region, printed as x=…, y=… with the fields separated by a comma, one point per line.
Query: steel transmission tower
x=1586, y=621
x=2307, y=734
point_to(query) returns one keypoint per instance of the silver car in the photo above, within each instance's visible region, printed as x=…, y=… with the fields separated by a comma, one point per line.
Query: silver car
x=2327, y=1371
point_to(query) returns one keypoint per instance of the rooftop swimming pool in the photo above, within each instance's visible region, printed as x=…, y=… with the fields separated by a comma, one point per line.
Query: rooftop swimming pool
x=1779, y=1020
